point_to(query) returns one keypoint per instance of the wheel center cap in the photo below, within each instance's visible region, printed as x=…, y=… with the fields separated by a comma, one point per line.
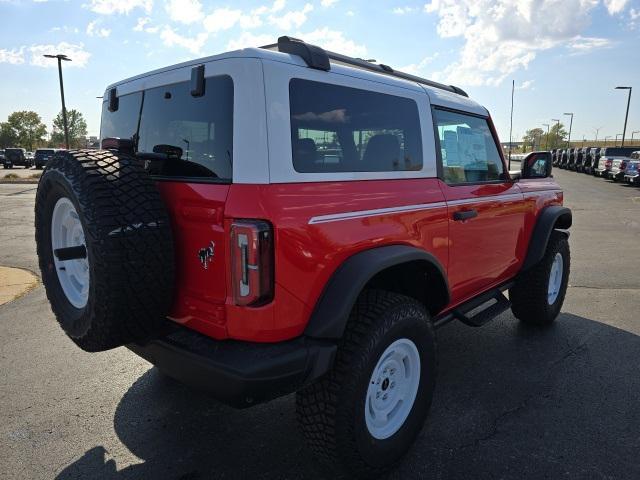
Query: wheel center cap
x=385, y=384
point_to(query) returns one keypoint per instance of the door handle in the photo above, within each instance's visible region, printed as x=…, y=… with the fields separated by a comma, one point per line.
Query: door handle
x=464, y=215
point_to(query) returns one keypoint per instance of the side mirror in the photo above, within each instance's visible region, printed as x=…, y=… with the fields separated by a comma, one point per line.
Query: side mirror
x=536, y=165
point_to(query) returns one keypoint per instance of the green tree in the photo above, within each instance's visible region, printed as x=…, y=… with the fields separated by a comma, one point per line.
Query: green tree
x=7, y=135
x=23, y=129
x=557, y=136
x=77, y=129
x=532, y=139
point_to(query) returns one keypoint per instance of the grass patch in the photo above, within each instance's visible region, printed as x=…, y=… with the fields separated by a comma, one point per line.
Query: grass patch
x=11, y=176
x=34, y=175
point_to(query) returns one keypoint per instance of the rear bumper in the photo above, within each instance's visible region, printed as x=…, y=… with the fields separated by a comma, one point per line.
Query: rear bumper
x=632, y=178
x=240, y=374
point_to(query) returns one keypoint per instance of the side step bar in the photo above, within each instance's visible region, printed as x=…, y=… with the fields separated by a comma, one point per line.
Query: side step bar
x=479, y=310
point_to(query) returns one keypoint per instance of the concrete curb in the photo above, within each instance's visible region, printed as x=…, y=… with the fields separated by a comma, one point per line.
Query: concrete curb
x=15, y=282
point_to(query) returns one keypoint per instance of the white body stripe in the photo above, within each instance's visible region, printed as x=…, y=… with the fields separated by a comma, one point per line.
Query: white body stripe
x=337, y=217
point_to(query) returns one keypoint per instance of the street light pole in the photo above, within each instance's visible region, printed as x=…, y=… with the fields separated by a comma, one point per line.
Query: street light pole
x=60, y=58
x=624, y=130
x=570, y=126
x=557, y=120
x=597, y=130
x=605, y=139
x=546, y=144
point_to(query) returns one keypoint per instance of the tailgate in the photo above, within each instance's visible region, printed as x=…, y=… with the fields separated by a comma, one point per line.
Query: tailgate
x=197, y=212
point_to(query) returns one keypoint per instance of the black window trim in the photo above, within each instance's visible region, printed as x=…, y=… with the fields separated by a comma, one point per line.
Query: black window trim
x=436, y=136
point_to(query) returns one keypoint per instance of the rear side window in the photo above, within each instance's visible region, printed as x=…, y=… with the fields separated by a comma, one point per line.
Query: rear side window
x=343, y=129
x=186, y=136
x=468, y=151
x=123, y=123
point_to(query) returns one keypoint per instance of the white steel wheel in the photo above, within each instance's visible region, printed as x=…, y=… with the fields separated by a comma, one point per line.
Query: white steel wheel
x=392, y=389
x=66, y=231
x=555, y=278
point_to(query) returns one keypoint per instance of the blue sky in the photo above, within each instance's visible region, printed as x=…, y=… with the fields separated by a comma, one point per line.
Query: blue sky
x=564, y=55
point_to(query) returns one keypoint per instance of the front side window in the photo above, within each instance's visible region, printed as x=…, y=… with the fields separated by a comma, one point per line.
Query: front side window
x=343, y=129
x=468, y=150
x=186, y=136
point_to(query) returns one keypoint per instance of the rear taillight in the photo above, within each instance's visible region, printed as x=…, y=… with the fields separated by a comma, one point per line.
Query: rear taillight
x=608, y=162
x=252, y=262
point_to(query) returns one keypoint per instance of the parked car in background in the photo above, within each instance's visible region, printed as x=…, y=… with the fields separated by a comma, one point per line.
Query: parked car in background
x=29, y=156
x=577, y=165
x=632, y=173
x=1, y=156
x=562, y=163
x=553, y=156
x=16, y=157
x=587, y=164
x=607, y=158
x=571, y=159
x=42, y=156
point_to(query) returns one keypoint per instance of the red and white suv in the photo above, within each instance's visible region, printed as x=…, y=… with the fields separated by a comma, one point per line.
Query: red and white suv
x=288, y=219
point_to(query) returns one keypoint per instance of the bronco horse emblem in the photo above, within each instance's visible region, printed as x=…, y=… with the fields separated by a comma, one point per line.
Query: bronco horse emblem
x=206, y=254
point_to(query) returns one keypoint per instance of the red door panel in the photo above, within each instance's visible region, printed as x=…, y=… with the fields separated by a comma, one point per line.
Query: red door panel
x=483, y=249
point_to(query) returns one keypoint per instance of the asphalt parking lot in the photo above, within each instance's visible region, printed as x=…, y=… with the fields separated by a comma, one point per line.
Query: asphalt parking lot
x=511, y=402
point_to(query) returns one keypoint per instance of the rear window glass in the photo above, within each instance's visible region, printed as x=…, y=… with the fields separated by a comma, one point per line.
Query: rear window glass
x=620, y=151
x=343, y=129
x=190, y=136
x=123, y=123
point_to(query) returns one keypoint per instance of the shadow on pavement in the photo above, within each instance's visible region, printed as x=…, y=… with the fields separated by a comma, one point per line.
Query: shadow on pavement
x=511, y=402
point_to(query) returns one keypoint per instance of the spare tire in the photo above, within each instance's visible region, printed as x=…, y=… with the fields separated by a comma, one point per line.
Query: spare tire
x=105, y=248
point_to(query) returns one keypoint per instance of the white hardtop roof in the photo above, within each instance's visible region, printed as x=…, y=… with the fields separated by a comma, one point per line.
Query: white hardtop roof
x=438, y=97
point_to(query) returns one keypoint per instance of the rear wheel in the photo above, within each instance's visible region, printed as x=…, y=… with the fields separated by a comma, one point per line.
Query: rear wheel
x=538, y=294
x=364, y=415
x=105, y=248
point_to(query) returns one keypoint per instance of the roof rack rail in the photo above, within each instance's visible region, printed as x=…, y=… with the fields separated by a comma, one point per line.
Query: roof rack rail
x=318, y=58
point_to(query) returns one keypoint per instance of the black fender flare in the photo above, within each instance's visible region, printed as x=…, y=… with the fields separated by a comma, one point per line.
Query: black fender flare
x=334, y=306
x=550, y=218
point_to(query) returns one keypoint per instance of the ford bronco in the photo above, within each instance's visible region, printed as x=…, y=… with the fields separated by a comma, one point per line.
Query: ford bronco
x=286, y=219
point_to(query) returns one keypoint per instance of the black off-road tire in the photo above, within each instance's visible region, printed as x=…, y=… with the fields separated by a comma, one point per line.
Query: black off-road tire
x=129, y=247
x=331, y=411
x=529, y=301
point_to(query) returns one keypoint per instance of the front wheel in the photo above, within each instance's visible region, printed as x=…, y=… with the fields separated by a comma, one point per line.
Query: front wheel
x=538, y=294
x=364, y=415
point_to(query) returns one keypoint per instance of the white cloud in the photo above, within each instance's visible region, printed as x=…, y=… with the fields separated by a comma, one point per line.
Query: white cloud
x=328, y=3
x=525, y=85
x=75, y=52
x=249, y=40
x=14, y=56
x=580, y=44
x=334, y=41
x=403, y=10
x=278, y=5
x=505, y=36
x=222, y=19
x=418, y=68
x=143, y=25
x=615, y=6
x=109, y=7
x=93, y=30
x=291, y=19
x=350, y=13
x=184, y=11
x=194, y=44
